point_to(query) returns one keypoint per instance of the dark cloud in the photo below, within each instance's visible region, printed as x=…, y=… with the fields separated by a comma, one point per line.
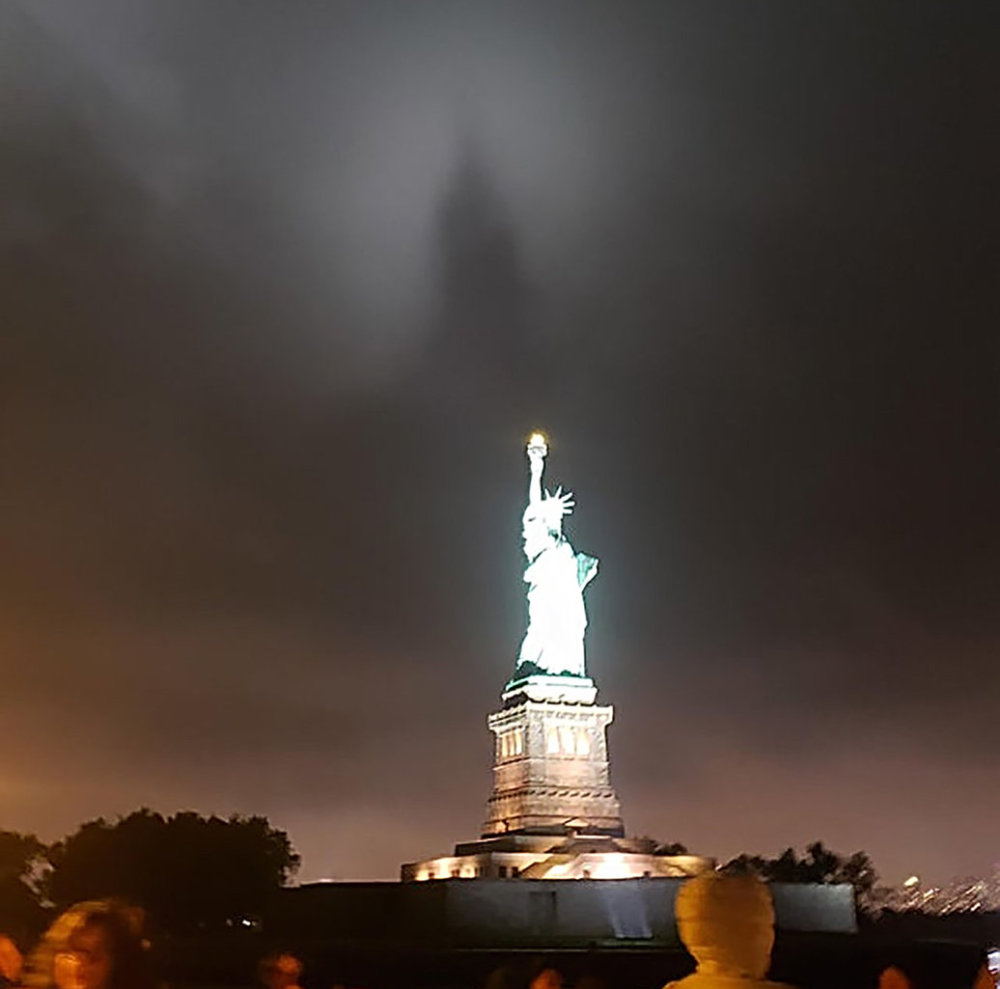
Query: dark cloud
x=287, y=285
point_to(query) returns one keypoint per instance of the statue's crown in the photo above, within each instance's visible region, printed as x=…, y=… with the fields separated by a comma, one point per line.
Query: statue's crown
x=555, y=505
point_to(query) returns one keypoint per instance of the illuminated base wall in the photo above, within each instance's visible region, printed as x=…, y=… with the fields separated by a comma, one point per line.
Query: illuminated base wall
x=550, y=771
x=548, y=857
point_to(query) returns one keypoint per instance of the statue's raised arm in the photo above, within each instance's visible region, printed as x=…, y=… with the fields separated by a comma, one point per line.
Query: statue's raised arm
x=537, y=451
x=555, y=575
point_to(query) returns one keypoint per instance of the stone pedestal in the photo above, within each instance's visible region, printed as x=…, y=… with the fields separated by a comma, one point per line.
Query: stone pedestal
x=550, y=771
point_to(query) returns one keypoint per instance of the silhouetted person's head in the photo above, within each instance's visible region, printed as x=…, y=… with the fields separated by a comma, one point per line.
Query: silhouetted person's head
x=93, y=945
x=547, y=978
x=727, y=923
x=10, y=961
x=280, y=970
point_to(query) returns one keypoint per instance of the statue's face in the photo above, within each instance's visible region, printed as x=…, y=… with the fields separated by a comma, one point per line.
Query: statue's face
x=535, y=532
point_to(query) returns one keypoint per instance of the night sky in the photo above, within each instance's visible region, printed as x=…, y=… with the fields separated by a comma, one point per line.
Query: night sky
x=285, y=287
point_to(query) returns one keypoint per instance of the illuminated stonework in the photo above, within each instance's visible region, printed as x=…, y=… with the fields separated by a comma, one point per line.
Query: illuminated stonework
x=551, y=770
x=546, y=857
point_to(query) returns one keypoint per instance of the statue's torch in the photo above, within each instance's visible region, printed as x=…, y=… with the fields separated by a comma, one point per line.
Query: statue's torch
x=537, y=445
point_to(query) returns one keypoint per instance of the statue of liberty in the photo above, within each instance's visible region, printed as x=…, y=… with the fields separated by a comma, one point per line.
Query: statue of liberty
x=555, y=575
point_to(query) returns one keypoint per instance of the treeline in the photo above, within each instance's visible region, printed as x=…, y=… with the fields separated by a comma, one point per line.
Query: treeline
x=818, y=865
x=192, y=874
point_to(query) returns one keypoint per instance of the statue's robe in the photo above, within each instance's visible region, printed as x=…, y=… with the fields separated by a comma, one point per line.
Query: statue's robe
x=557, y=618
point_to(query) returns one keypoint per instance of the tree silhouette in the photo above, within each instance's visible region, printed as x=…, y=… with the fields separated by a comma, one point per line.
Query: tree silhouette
x=21, y=862
x=191, y=873
x=819, y=865
x=672, y=848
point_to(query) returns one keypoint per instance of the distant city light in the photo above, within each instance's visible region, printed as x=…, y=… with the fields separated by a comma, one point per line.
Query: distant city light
x=969, y=895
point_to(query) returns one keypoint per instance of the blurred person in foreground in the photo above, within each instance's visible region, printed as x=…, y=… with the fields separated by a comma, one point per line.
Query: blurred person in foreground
x=726, y=922
x=547, y=978
x=10, y=962
x=97, y=944
x=280, y=970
